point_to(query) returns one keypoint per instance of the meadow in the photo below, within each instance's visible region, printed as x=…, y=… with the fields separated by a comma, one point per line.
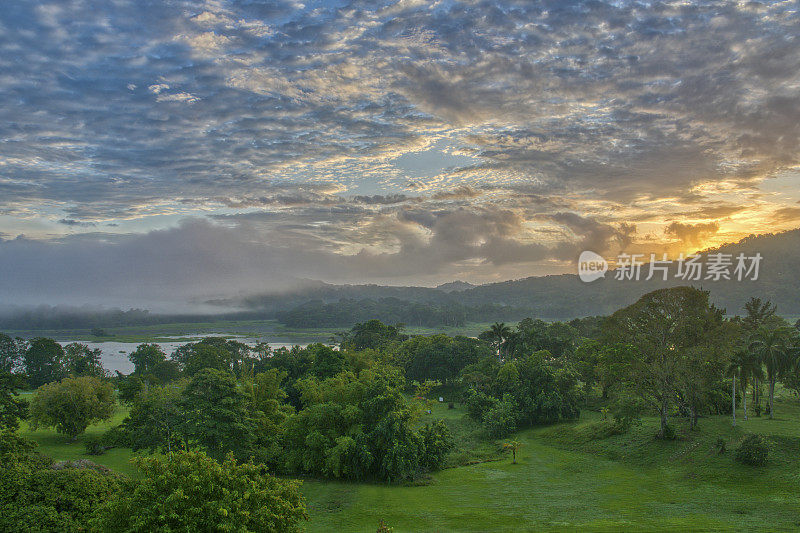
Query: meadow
x=568, y=477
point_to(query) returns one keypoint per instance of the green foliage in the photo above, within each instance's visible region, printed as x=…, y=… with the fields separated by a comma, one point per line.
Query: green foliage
x=155, y=420
x=627, y=411
x=721, y=446
x=502, y=419
x=129, y=387
x=37, y=496
x=80, y=360
x=680, y=343
x=10, y=353
x=12, y=408
x=753, y=450
x=189, y=491
x=44, y=361
x=72, y=404
x=439, y=357
x=215, y=414
x=479, y=403
x=437, y=441
x=358, y=427
x=372, y=334
x=145, y=357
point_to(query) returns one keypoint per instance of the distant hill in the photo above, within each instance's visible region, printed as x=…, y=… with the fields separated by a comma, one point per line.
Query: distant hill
x=454, y=286
x=565, y=296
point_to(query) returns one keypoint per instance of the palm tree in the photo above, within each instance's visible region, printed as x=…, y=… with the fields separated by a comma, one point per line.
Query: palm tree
x=733, y=370
x=773, y=349
x=746, y=367
x=513, y=446
x=499, y=333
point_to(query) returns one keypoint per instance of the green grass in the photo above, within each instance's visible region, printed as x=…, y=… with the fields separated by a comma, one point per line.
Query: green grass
x=62, y=448
x=566, y=479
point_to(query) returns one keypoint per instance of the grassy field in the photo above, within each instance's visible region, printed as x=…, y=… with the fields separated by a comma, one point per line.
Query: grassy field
x=566, y=479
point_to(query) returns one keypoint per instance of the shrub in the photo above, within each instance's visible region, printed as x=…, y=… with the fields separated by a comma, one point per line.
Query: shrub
x=189, y=491
x=501, y=420
x=94, y=445
x=479, y=404
x=753, y=450
x=720, y=446
x=627, y=412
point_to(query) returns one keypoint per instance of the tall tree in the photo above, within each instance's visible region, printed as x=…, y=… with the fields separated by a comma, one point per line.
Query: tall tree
x=43, y=361
x=497, y=335
x=80, y=360
x=747, y=367
x=774, y=347
x=145, y=357
x=216, y=415
x=664, y=328
x=12, y=408
x=10, y=354
x=72, y=404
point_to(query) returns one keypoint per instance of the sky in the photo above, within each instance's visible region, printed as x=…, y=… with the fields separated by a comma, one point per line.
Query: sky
x=159, y=154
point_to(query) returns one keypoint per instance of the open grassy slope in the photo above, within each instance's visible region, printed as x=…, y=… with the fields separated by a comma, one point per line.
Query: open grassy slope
x=565, y=481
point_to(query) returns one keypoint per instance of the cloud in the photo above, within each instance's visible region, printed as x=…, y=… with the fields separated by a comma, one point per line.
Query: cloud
x=526, y=131
x=786, y=214
x=693, y=234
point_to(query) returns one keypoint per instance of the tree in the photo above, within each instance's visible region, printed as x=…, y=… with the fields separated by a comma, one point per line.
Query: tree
x=664, y=328
x=72, y=404
x=43, y=361
x=746, y=367
x=216, y=417
x=513, y=446
x=155, y=420
x=774, y=348
x=80, y=360
x=145, y=358
x=372, y=334
x=211, y=352
x=10, y=353
x=12, y=409
x=189, y=491
x=497, y=335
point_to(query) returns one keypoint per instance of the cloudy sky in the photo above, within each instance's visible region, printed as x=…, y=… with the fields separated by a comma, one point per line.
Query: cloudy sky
x=155, y=152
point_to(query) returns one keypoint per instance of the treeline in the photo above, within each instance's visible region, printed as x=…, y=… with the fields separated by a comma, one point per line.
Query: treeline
x=319, y=314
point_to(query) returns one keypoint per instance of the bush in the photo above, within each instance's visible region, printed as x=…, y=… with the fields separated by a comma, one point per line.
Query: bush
x=627, y=412
x=720, y=446
x=501, y=420
x=479, y=404
x=94, y=445
x=753, y=450
x=189, y=491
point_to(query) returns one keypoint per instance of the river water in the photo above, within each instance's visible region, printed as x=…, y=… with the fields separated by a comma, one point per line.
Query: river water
x=115, y=354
